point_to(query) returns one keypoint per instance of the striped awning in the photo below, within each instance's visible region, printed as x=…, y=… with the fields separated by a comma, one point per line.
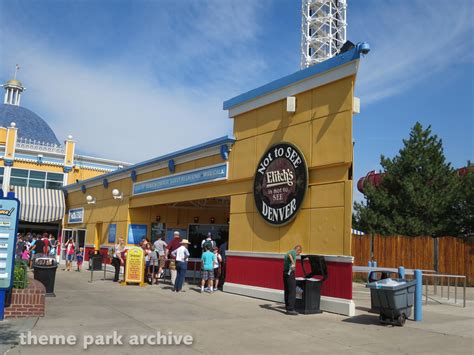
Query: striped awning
x=40, y=205
x=356, y=232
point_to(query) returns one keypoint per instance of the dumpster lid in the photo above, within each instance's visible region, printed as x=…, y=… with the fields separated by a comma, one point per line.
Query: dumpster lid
x=318, y=266
x=45, y=261
x=391, y=284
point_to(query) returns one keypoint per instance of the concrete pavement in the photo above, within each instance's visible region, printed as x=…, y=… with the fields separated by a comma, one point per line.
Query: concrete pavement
x=222, y=323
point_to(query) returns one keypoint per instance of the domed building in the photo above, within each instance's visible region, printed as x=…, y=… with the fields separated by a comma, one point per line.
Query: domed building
x=35, y=165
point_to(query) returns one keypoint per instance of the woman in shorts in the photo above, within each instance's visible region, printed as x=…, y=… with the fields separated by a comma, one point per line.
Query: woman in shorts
x=217, y=267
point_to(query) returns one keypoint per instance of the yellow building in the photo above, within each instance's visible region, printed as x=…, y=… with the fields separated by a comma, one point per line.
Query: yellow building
x=285, y=178
x=35, y=165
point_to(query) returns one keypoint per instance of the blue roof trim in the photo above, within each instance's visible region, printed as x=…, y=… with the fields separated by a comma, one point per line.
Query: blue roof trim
x=166, y=157
x=329, y=64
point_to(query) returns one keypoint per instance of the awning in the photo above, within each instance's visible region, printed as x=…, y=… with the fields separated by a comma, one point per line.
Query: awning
x=40, y=205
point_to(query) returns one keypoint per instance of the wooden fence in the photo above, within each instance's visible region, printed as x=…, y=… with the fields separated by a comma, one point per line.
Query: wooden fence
x=447, y=255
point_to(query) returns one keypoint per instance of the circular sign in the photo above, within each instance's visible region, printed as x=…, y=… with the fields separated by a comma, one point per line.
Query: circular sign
x=280, y=183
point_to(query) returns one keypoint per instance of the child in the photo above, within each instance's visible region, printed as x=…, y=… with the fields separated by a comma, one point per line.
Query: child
x=217, y=267
x=25, y=254
x=69, y=254
x=207, y=258
x=79, y=258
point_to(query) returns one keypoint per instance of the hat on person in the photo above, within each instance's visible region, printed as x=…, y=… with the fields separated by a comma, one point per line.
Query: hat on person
x=176, y=233
x=185, y=241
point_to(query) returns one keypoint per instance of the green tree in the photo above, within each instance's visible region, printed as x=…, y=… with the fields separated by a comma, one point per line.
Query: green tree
x=417, y=192
x=462, y=214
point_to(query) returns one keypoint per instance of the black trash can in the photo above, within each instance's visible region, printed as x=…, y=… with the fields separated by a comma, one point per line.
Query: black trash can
x=95, y=261
x=44, y=270
x=308, y=289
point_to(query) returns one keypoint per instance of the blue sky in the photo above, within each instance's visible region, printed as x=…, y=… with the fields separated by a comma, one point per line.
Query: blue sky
x=135, y=79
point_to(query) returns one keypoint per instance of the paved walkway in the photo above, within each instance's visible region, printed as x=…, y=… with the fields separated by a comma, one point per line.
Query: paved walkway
x=222, y=323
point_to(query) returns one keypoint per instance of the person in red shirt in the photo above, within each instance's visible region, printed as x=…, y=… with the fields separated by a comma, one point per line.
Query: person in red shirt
x=45, y=240
x=172, y=246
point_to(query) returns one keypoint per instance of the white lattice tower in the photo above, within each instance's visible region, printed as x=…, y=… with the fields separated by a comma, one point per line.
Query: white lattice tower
x=323, y=30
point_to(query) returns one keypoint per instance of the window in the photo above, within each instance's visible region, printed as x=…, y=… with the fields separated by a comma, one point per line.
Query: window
x=33, y=178
x=1, y=174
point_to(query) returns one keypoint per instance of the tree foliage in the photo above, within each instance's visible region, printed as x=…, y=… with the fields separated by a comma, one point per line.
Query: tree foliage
x=419, y=194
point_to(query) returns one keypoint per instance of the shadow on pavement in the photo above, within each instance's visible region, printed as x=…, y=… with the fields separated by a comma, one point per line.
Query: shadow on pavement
x=363, y=319
x=270, y=307
x=366, y=309
x=8, y=335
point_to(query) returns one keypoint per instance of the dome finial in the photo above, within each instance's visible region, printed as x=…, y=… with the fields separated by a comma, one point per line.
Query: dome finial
x=17, y=67
x=13, y=89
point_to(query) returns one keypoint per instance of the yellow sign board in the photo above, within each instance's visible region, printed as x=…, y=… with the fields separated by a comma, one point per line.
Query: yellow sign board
x=135, y=266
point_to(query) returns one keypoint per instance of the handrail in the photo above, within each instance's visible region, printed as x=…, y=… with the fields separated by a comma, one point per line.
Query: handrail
x=425, y=273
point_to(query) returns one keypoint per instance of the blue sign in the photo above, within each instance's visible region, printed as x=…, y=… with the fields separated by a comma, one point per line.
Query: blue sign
x=136, y=232
x=112, y=232
x=9, y=209
x=188, y=178
x=76, y=215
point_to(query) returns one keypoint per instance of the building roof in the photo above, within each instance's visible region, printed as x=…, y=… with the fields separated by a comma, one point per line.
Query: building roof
x=225, y=140
x=29, y=124
x=293, y=79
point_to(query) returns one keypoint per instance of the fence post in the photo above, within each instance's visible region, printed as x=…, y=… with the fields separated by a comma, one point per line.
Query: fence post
x=418, y=296
x=401, y=272
x=371, y=246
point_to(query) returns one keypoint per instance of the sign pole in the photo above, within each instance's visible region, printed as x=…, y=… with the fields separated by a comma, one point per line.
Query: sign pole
x=2, y=304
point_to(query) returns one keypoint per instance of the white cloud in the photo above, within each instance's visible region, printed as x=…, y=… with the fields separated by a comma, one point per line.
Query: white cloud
x=410, y=41
x=134, y=112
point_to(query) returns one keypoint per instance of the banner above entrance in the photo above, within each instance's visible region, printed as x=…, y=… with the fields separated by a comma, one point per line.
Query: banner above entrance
x=188, y=178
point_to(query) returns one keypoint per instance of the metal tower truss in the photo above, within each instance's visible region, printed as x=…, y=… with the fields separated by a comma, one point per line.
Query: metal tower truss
x=323, y=30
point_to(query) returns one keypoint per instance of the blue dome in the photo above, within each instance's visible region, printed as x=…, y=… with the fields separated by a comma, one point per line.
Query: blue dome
x=29, y=124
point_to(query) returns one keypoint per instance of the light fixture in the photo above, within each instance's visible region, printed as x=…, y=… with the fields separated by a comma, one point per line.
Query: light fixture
x=90, y=199
x=212, y=220
x=291, y=104
x=196, y=219
x=117, y=195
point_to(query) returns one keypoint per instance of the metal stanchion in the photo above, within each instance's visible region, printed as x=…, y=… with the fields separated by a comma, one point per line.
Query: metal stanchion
x=455, y=290
x=449, y=282
x=426, y=290
x=464, y=295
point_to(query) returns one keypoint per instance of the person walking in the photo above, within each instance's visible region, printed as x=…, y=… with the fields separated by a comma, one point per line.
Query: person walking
x=69, y=253
x=217, y=267
x=208, y=259
x=181, y=254
x=172, y=246
x=117, y=259
x=53, y=244
x=160, y=248
x=153, y=266
x=79, y=258
x=289, y=281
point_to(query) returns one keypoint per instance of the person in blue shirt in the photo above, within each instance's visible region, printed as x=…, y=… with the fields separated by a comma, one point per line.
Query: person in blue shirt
x=208, y=258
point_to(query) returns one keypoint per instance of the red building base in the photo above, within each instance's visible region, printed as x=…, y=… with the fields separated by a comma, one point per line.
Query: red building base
x=260, y=275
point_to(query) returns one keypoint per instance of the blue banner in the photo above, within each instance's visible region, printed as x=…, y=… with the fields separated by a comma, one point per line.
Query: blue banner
x=112, y=232
x=136, y=232
x=9, y=209
x=193, y=177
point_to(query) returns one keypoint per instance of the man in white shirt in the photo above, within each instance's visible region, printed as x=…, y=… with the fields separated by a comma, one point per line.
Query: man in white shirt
x=160, y=247
x=181, y=254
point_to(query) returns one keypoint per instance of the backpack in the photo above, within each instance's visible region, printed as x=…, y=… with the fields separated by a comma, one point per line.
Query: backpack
x=209, y=244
